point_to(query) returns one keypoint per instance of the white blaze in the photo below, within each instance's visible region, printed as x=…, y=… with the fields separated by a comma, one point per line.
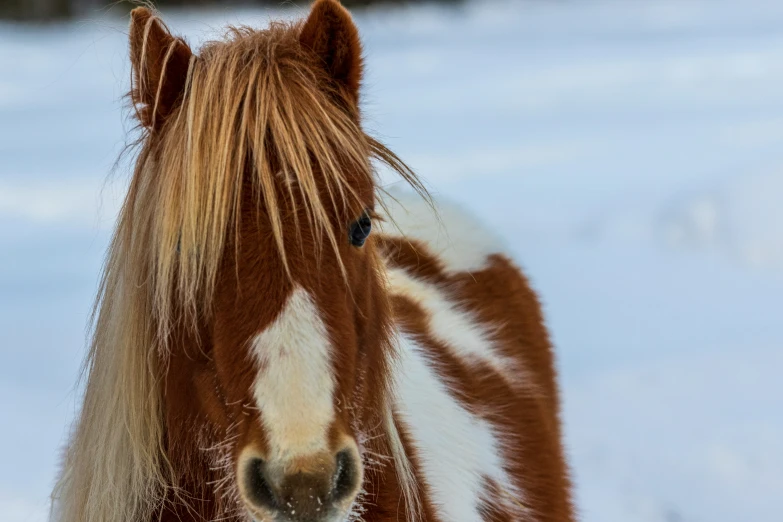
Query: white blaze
x=294, y=388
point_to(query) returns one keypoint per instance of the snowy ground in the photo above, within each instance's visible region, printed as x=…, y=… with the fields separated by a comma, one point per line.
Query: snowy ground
x=631, y=152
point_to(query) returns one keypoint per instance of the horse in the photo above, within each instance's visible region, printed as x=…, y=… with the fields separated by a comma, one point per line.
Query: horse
x=278, y=338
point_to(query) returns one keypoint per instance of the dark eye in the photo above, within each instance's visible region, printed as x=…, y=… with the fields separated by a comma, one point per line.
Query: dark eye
x=360, y=230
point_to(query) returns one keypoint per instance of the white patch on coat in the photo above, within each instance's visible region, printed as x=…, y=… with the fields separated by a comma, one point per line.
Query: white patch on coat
x=457, y=451
x=456, y=237
x=295, y=384
x=454, y=326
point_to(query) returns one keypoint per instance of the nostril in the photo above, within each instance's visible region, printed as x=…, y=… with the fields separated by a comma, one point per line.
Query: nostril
x=259, y=489
x=346, y=476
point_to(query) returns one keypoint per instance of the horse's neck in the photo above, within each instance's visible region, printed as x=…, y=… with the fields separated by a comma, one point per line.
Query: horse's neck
x=475, y=392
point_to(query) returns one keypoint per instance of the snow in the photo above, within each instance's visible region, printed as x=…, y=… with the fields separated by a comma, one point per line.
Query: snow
x=630, y=152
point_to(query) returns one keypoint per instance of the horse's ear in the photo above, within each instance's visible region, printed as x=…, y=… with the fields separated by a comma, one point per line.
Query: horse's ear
x=331, y=34
x=160, y=68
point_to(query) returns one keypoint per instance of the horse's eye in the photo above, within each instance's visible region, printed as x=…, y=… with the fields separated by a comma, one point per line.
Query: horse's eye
x=360, y=230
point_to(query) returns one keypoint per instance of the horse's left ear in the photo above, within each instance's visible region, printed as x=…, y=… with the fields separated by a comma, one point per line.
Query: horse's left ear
x=331, y=34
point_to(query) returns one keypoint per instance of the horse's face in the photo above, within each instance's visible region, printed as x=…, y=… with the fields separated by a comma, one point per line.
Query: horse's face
x=291, y=344
x=290, y=354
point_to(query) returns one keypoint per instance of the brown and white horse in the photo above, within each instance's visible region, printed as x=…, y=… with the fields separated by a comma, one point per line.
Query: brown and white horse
x=258, y=354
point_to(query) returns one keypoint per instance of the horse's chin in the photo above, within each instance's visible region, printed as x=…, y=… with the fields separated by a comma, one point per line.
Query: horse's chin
x=256, y=515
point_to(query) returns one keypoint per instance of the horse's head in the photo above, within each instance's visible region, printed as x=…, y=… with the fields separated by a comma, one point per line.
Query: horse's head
x=258, y=195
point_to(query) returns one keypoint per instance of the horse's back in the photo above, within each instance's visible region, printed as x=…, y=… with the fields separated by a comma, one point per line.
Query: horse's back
x=477, y=394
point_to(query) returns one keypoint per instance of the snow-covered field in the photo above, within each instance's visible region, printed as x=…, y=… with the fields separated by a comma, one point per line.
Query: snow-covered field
x=631, y=152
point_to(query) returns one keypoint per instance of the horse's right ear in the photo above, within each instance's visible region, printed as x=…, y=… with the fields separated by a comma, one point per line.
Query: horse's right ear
x=160, y=68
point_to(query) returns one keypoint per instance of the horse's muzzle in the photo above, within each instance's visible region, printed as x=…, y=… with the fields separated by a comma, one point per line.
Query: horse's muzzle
x=320, y=491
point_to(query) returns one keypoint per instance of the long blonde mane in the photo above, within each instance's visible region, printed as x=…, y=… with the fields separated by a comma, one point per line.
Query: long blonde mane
x=246, y=98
